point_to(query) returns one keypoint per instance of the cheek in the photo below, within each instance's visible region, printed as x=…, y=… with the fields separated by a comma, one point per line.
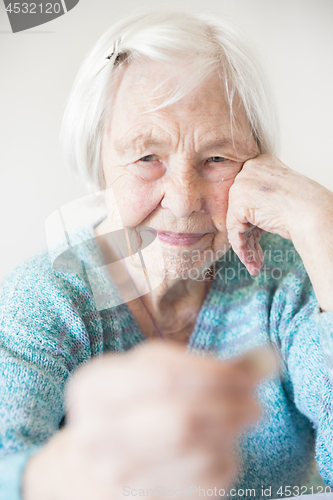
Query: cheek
x=135, y=199
x=217, y=204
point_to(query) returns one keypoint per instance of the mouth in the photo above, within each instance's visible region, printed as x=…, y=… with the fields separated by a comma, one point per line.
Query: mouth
x=180, y=238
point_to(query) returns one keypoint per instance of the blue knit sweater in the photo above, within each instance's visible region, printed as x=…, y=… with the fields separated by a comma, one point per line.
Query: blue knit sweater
x=50, y=324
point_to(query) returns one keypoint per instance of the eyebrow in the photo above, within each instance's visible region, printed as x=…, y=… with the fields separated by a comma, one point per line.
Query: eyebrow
x=146, y=140
x=130, y=142
x=225, y=142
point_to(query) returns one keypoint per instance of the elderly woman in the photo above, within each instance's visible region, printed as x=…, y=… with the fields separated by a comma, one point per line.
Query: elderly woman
x=170, y=116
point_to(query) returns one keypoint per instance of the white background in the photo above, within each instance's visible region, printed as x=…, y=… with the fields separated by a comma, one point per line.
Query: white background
x=38, y=66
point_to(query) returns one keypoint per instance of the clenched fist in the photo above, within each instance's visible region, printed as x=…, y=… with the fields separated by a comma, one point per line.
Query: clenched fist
x=152, y=417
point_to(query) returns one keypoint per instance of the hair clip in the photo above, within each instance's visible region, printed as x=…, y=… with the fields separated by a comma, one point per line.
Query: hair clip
x=115, y=49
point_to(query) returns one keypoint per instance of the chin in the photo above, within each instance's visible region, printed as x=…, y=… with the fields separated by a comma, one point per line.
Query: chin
x=162, y=263
x=183, y=266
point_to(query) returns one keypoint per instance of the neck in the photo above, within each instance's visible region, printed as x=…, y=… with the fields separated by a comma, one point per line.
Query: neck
x=172, y=292
x=172, y=309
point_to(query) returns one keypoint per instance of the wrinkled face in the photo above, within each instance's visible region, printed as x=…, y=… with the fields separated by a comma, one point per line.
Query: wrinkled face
x=172, y=169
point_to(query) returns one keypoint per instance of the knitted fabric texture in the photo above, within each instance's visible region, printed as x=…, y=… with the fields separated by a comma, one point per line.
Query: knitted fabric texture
x=49, y=325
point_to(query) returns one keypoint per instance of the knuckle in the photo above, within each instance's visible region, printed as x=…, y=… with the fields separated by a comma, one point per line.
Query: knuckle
x=225, y=464
x=250, y=163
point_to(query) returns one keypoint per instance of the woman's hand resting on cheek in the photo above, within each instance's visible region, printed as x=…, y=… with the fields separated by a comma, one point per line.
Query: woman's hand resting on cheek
x=267, y=196
x=152, y=417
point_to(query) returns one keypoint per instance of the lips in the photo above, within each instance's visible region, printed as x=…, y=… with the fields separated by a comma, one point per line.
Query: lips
x=179, y=238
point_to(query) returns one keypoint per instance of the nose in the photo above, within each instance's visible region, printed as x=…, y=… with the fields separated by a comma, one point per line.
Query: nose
x=182, y=194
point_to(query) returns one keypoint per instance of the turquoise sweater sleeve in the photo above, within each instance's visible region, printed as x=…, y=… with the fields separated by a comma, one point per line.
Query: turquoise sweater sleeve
x=43, y=337
x=324, y=445
x=305, y=339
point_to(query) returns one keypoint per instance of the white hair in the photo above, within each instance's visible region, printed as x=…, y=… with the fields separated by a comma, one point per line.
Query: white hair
x=203, y=43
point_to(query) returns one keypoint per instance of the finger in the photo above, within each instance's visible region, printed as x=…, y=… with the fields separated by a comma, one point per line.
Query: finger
x=248, y=251
x=244, y=239
x=255, y=257
x=155, y=370
x=258, y=363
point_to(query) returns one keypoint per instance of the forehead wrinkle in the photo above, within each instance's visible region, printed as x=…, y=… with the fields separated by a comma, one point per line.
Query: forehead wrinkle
x=224, y=143
x=224, y=135
x=187, y=136
x=136, y=139
x=218, y=139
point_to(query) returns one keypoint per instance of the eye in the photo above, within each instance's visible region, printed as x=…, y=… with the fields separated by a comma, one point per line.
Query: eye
x=149, y=158
x=148, y=168
x=216, y=159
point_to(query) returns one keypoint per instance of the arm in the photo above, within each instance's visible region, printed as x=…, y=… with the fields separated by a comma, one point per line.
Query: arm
x=36, y=358
x=268, y=196
x=304, y=336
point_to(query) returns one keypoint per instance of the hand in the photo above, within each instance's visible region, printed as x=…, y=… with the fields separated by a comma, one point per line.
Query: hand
x=267, y=196
x=153, y=417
